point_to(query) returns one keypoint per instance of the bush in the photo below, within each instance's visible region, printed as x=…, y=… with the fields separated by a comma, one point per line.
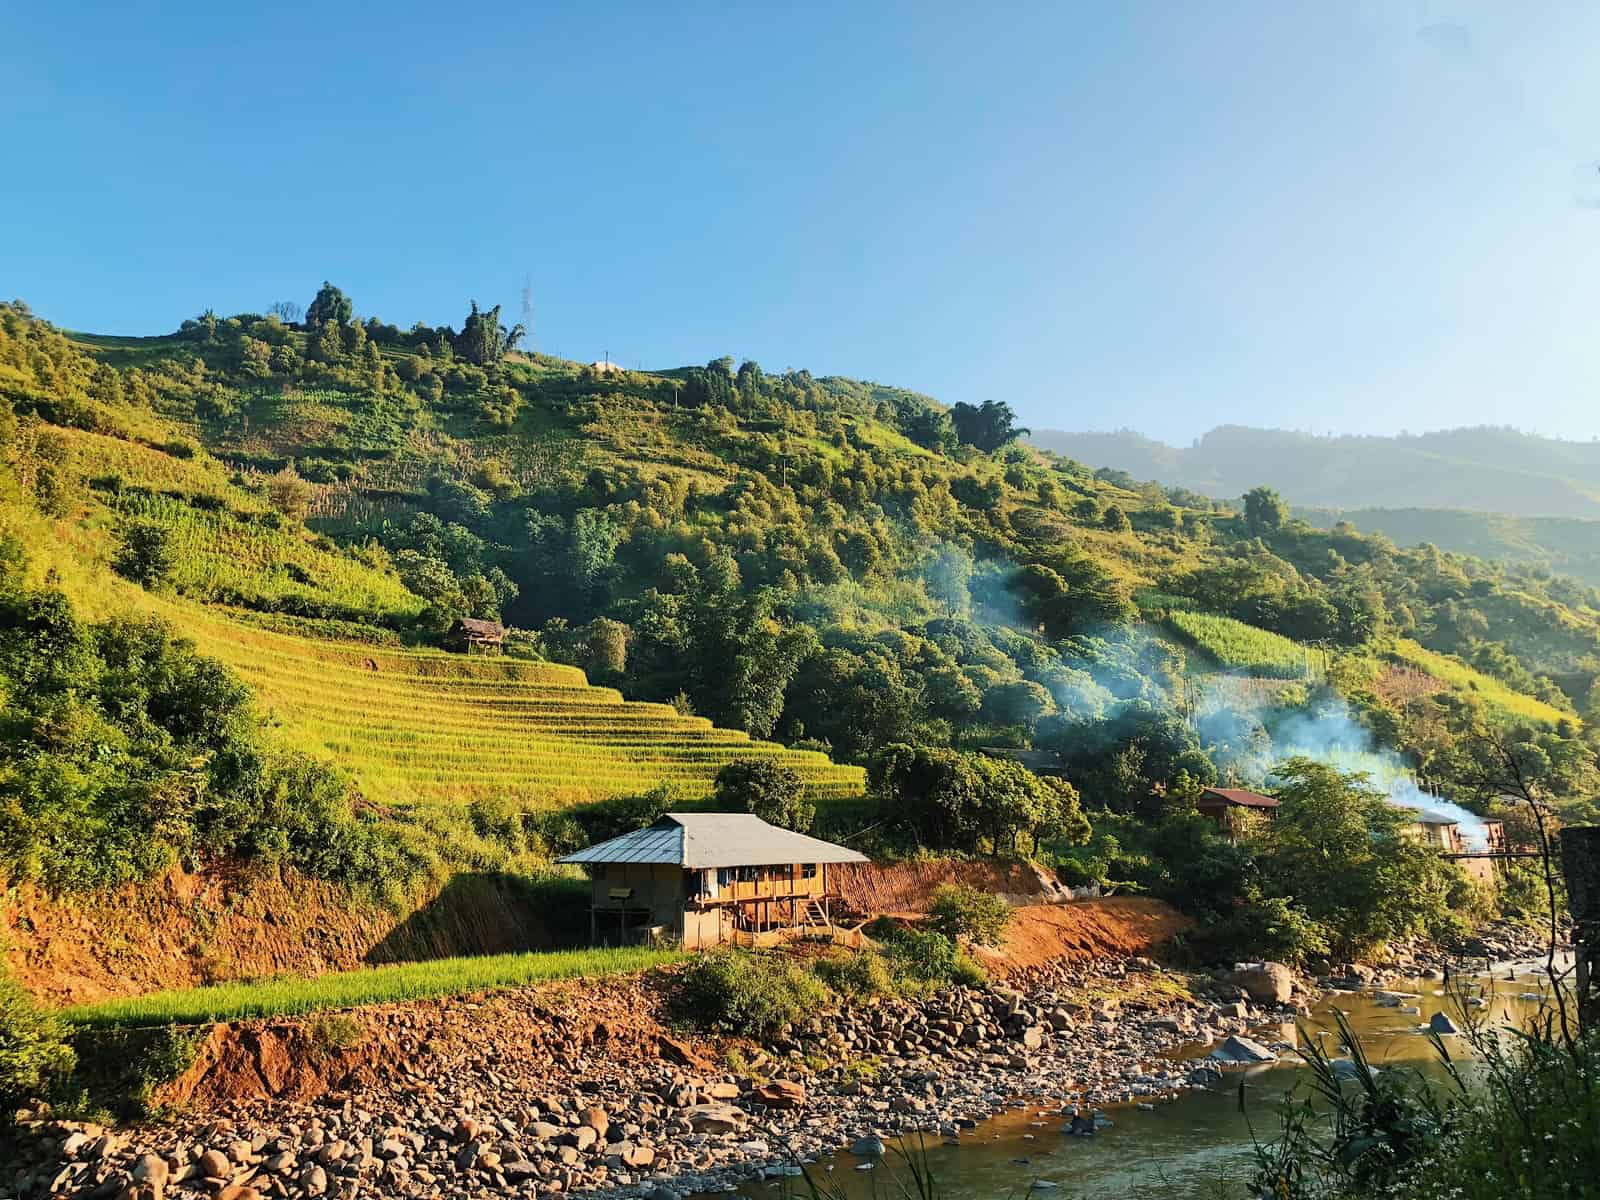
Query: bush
x=959, y=911
x=859, y=975
x=34, y=1055
x=123, y=751
x=147, y=555
x=750, y=993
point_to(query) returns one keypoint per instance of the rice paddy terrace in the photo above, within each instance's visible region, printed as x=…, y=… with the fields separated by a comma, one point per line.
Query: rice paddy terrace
x=427, y=725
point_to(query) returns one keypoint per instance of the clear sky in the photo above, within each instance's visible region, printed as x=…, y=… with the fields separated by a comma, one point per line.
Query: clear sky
x=1329, y=216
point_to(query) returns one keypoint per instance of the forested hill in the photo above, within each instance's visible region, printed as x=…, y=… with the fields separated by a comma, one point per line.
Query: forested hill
x=803, y=576
x=1483, y=469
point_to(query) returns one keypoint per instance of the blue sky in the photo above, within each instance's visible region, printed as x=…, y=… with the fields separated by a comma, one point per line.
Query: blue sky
x=1356, y=217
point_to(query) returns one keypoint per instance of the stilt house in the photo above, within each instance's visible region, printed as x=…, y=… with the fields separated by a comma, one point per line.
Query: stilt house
x=1226, y=807
x=704, y=878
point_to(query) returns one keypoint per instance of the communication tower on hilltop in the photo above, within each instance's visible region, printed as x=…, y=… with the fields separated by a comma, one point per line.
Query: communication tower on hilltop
x=527, y=312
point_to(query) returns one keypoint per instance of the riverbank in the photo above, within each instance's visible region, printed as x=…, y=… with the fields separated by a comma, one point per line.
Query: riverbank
x=589, y=1088
x=594, y=1087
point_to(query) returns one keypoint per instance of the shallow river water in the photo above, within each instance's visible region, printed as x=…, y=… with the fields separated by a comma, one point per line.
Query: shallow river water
x=1184, y=1147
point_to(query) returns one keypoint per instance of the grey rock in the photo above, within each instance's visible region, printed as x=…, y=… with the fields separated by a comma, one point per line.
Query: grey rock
x=1242, y=1050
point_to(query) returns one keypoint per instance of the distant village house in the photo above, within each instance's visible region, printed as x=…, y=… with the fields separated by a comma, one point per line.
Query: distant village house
x=1230, y=808
x=708, y=878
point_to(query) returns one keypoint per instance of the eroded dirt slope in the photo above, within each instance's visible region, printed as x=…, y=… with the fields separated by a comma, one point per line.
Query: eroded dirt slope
x=183, y=930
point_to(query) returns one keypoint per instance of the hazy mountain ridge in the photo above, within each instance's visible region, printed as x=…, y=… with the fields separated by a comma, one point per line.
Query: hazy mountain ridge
x=1484, y=469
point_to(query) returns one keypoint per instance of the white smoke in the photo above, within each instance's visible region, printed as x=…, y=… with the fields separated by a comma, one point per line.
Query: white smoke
x=1329, y=733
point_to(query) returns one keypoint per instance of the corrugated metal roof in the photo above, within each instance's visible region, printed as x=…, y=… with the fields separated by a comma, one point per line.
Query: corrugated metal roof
x=701, y=840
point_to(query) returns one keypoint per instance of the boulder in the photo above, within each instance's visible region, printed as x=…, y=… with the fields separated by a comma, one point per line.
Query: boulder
x=1242, y=1050
x=1264, y=982
x=715, y=1118
x=597, y=1119
x=780, y=1094
x=1348, y=1068
x=151, y=1169
x=868, y=1147
x=676, y=1051
x=1205, y=1077
x=1441, y=1023
x=213, y=1164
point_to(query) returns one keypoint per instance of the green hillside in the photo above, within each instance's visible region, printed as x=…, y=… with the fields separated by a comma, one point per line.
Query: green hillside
x=1562, y=545
x=700, y=566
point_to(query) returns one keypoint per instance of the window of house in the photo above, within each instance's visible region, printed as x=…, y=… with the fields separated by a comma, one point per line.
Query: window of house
x=808, y=870
x=724, y=876
x=749, y=874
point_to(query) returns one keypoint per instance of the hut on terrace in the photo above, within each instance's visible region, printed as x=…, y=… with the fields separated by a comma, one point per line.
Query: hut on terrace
x=472, y=634
x=704, y=878
x=1225, y=806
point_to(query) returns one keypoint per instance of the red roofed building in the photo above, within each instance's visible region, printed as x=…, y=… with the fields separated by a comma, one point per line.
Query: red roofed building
x=1223, y=805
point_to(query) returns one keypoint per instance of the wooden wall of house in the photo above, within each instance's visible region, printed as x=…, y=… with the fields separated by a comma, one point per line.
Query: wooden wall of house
x=772, y=881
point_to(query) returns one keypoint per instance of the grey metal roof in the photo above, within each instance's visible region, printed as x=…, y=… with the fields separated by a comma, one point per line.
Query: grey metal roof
x=698, y=840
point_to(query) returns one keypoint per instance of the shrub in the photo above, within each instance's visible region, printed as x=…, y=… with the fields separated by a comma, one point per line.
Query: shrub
x=959, y=911
x=34, y=1055
x=750, y=993
x=147, y=555
x=859, y=974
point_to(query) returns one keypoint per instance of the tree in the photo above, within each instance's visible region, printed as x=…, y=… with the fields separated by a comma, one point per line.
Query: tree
x=285, y=310
x=959, y=911
x=773, y=792
x=288, y=493
x=483, y=341
x=329, y=307
x=256, y=358
x=947, y=577
x=1116, y=520
x=1264, y=510
x=1345, y=857
x=147, y=554
x=988, y=427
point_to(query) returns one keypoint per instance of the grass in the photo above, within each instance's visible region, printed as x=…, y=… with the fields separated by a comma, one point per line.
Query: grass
x=1495, y=694
x=1235, y=646
x=290, y=996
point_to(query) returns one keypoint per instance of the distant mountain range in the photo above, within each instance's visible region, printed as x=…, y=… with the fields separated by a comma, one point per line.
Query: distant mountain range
x=1492, y=492
x=1485, y=469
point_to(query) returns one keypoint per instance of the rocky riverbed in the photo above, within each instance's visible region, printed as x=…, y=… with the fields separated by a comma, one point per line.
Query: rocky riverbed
x=685, y=1116
x=528, y=1093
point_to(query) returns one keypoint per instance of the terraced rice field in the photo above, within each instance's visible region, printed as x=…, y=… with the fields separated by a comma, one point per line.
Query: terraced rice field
x=416, y=725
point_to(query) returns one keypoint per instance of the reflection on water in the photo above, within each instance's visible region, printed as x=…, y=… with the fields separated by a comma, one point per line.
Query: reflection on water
x=1189, y=1146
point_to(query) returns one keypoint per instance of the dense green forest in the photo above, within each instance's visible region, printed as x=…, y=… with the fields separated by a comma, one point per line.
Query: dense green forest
x=846, y=568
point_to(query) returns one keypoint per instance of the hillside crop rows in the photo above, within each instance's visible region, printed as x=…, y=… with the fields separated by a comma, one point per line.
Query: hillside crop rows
x=224, y=558
x=1494, y=693
x=415, y=725
x=1236, y=646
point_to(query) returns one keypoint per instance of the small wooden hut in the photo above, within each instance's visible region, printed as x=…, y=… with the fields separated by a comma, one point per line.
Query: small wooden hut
x=472, y=634
x=1226, y=806
x=704, y=878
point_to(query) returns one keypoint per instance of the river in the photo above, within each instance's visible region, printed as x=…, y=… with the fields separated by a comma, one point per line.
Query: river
x=1192, y=1146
